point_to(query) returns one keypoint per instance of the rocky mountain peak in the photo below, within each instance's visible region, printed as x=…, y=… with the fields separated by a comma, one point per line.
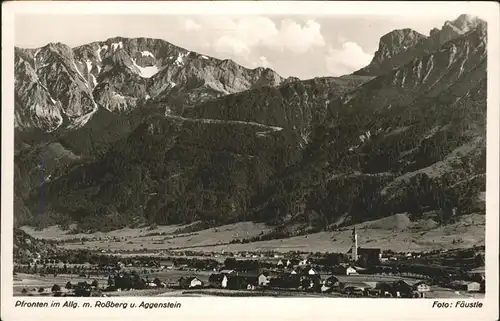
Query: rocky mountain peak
x=119, y=73
x=466, y=22
x=401, y=46
x=395, y=42
x=452, y=29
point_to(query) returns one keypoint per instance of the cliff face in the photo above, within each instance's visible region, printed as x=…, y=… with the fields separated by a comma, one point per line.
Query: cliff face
x=391, y=45
x=399, y=47
x=60, y=87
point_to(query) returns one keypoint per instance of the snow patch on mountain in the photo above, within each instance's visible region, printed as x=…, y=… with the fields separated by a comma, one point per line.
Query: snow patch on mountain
x=88, y=63
x=146, y=72
x=146, y=53
x=94, y=81
x=430, y=65
x=452, y=55
x=179, y=61
x=105, y=48
x=78, y=71
x=116, y=45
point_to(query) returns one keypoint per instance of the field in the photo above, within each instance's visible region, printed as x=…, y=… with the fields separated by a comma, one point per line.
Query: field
x=33, y=282
x=396, y=232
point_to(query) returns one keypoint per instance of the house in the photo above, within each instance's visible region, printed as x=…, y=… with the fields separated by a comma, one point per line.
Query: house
x=353, y=291
x=373, y=293
x=236, y=282
x=309, y=271
x=331, y=281
x=469, y=286
x=325, y=289
x=280, y=263
x=217, y=280
x=226, y=271
x=311, y=282
x=402, y=289
x=189, y=282
x=263, y=279
x=251, y=278
x=361, y=270
x=421, y=287
x=350, y=271
x=479, y=273
x=385, y=288
x=359, y=285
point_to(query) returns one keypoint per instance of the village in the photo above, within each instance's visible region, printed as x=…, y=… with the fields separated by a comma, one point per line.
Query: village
x=361, y=272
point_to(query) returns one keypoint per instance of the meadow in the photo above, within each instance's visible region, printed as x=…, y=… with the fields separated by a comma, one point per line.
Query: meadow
x=397, y=233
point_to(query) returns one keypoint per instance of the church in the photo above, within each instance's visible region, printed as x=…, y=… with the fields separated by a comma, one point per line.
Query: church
x=363, y=256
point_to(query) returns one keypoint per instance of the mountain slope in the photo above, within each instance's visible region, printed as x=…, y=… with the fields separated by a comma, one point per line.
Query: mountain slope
x=60, y=87
x=125, y=96
x=410, y=141
x=399, y=47
x=170, y=170
x=49, y=89
x=306, y=155
x=296, y=105
x=82, y=100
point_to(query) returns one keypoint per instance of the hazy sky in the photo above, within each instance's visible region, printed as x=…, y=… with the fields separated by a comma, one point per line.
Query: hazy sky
x=301, y=46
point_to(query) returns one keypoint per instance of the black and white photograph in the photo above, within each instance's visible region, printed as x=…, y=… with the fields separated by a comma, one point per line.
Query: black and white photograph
x=266, y=155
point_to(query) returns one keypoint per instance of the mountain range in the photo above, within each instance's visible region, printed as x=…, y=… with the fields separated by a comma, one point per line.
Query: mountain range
x=132, y=131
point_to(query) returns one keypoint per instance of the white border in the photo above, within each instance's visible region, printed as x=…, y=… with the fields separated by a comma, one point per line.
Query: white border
x=252, y=308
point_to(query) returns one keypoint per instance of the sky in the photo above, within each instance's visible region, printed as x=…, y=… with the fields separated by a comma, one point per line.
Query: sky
x=292, y=45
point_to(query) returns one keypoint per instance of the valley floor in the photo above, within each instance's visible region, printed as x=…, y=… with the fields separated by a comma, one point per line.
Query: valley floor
x=397, y=233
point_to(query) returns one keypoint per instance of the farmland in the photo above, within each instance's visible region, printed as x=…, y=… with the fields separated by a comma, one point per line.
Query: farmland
x=396, y=233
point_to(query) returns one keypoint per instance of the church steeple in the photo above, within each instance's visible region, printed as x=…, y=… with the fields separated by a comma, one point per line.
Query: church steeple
x=354, y=250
